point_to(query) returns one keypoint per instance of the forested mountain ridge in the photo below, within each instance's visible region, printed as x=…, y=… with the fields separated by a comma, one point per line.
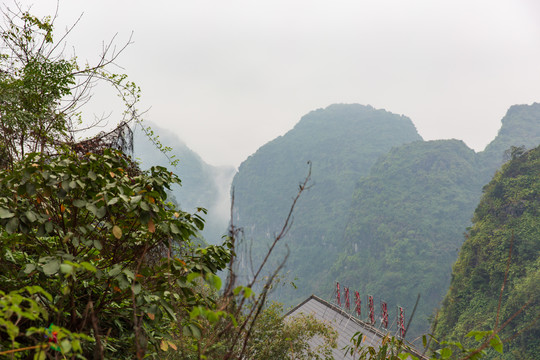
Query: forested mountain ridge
x=203, y=185
x=342, y=142
x=520, y=127
x=507, y=217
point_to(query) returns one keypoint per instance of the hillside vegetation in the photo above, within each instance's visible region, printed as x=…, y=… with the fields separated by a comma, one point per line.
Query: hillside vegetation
x=506, y=220
x=407, y=221
x=520, y=127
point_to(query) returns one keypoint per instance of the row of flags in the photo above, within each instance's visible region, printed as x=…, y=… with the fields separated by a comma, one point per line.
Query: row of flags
x=400, y=321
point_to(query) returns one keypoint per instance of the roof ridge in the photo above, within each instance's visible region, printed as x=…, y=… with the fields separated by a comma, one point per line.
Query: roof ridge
x=350, y=316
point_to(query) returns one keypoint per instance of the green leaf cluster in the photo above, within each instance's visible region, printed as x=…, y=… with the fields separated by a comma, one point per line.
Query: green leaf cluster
x=32, y=86
x=93, y=231
x=20, y=306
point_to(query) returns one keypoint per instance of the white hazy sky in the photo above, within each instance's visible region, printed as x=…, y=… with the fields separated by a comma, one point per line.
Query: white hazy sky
x=229, y=76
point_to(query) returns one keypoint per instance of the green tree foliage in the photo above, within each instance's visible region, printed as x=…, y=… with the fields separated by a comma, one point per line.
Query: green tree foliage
x=342, y=142
x=41, y=90
x=84, y=231
x=31, y=88
x=501, y=253
x=17, y=308
x=272, y=337
x=397, y=349
x=97, y=234
x=275, y=338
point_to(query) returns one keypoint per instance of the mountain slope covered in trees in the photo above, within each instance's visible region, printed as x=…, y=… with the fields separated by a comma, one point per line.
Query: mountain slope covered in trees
x=520, y=127
x=409, y=214
x=506, y=224
x=342, y=142
x=406, y=225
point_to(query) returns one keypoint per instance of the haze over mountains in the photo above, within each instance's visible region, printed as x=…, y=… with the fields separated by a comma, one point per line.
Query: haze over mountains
x=203, y=185
x=385, y=213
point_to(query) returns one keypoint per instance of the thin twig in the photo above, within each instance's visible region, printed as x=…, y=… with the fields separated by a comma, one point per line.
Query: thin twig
x=303, y=186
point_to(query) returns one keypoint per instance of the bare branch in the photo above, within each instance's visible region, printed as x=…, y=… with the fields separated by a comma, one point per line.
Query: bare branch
x=286, y=225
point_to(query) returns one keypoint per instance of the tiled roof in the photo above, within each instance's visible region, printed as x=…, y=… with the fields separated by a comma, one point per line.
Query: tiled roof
x=344, y=323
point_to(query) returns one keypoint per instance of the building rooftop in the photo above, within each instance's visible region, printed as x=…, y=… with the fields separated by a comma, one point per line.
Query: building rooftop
x=344, y=323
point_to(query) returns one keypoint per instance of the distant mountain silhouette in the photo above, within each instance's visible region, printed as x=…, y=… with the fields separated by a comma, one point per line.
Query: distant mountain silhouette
x=520, y=127
x=342, y=142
